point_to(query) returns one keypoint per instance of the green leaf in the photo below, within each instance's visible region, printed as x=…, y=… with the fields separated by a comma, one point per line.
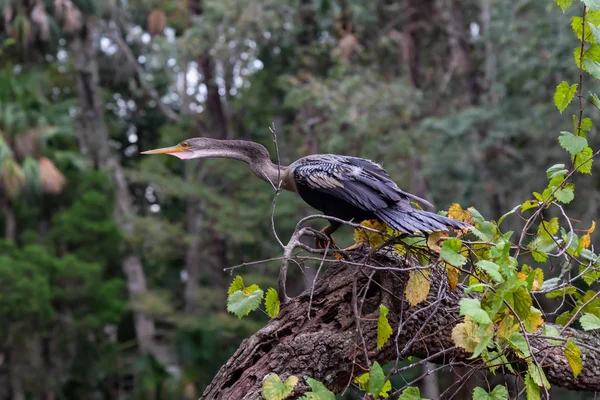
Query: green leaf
x=492, y=269
x=499, y=393
x=237, y=284
x=564, y=4
x=593, y=67
x=529, y=204
x=573, y=354
x=450, y=252
x=595, y=32
x=531, y=388
x=553, y=169
x=571, y=143
x=592, y=17
x=564, y=94
x=561, y=292
x=272, y=303
x=274, y=389
x=384, y=330
x=520, y=301
x=550, y=330
x=583, y=166
x=589, y=322
x=319, y=391
x=592, y=53
x=411, y=393
x=538, y=375
x=472, y=307
x=592, y=5
x=518, y=342
x=376, y=379
x=241, y=304
x=565, y=195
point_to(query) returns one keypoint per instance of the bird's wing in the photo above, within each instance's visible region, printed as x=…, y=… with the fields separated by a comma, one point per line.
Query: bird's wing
x=357, y=181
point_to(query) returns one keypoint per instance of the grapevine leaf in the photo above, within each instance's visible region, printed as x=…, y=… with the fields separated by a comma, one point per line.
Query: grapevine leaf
x=411, y=393
x=492, y=269
x=376, y=379
x=272, y=303
x=417, y=287
x=589, y=322
x=237, y=284
x=564, y=95
x=531, y=388
x=592, y=17
x=241, y=304
x=274, y=389
x=499, y=393
x=465, y=335
x=564, y=4
x=472, y=308
x=571, y=143
x=538, y=375
x=518, y=342
x=319, y=391
x=451, y=252
x=573, y=354
x=584, y=160
x=384, y=330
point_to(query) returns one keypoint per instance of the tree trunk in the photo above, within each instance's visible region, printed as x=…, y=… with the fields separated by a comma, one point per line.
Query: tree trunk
x=92, y=134
x=327, y=347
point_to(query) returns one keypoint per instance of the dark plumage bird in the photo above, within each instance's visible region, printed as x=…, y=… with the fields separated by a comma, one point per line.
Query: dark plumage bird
x=349, y=188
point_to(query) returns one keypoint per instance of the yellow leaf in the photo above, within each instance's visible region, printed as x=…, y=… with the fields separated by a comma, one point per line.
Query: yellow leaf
x=586, y=239
x=533, y=321
x=466, y=334
x=371, y=238
x=507, y=327
x=573, y=354
x=452, y=276
x=417, y=287
x=434, y=239
x=456, y=212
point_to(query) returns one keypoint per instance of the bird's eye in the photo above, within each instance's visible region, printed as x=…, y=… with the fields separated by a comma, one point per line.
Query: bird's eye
x=185, y=145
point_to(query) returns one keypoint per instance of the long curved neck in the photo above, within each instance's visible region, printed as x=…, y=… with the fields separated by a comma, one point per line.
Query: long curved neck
x=256, y=156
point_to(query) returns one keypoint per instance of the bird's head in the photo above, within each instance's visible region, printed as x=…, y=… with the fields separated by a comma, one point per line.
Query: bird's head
x=190, y=148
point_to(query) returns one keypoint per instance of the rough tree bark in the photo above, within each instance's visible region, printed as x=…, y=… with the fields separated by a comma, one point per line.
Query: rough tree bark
x=327, y=347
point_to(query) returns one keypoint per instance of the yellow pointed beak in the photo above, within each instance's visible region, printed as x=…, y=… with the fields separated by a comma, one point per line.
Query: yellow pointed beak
x=166, y=150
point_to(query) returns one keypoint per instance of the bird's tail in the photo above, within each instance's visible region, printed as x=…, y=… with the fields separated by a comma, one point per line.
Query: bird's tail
x=412, y=220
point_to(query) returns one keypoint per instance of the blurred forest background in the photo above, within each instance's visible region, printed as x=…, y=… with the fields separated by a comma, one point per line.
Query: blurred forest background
x=111, y=263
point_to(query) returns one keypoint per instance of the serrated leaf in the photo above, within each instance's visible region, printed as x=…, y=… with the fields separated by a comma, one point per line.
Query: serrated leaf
x=564, y=4
x=319, y=391
x=592, y=53
x=373, y=239
x=529, y=204
x=236, y=284
x=518, y=342
x=492, y=269
x=531, y=388
x=564, y=94
x=550, y=330
x=593, y=67
x=565, y=195
x=451, y=252
x=456, y=212
x=241, y=304
x=592, y=17
x=571, y=143
x=573, y=354
x=520, y=301
x=584, y=160
x=452, y=274
x=411, y=393
x=472, y=308
x=538, y=375
x=560, y=292
x=272, y=303
x=274, y=389
x=499, y=393
x=376, y=379
x=595, y=32
x=589, y=322
x=592, y=5
x=417, y=287
x=465, y=335
x=384, y=330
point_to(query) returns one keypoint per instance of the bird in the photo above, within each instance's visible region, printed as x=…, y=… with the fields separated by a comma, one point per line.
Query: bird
x=348, y=188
